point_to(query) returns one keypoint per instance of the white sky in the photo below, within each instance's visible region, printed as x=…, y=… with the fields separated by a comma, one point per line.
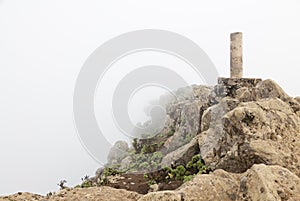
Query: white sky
x=43, y=45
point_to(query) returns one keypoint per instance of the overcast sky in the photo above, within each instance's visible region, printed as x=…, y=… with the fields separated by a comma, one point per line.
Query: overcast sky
x=43, y=45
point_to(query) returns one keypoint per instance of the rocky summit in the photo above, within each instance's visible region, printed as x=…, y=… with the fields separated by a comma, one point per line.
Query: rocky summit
x=238, y=140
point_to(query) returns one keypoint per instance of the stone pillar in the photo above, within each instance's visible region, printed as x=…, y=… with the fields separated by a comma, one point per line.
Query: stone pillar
x=236, y=55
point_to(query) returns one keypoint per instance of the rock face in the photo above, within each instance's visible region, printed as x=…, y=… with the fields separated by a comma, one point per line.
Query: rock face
x=182, y=155
x=263, y=182
x=260, y=127
x=260, y=183
x=185, y=118
x=117, y=152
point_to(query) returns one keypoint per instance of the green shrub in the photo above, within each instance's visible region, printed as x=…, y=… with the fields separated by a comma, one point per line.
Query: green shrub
x=108, y=171
x=144, y=165
x=157, y=156
x=170, y=133
x=86, y=184
x=188, y=178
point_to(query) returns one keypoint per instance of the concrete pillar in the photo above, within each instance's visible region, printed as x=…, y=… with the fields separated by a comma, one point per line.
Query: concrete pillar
x=236, y=55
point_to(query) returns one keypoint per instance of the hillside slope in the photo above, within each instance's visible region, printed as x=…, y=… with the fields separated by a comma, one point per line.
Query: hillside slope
x=238, y=140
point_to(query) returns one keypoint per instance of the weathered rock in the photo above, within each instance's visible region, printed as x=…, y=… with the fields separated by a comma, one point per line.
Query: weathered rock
x=202, y=93
x=245, y=94
x=118, y=152
x=248, y=89
x=248, y=130
x=126, y=162
x=188, y=125
x=182, y=155
x=94, y=194
x=242, y=89
x=162, y=196
x=213, y=115
x=268, y=183
x=98, y=175
x=270, y=89
x=21, y=196
x=261, y=183
x=219, y=185
x=184, y=117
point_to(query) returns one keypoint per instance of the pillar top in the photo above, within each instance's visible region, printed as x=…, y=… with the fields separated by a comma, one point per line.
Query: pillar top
x=236, y=55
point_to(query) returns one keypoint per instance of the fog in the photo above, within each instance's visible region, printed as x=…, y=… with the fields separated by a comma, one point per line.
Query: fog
x=43, y=45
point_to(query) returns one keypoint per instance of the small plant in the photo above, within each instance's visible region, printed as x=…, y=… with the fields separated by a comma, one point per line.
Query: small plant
x=110, y=172
x=151, y=182
x=146, y=176
x=144, y=165
x=61, y=184
x=85, y=178
x=197, y=165
x=103, y=181
x=188, y=178
x=161, y=144
x=188, y=138
x=86, y=182
x=135, y=144
x=178, y=173
x=157, y=156
x=171, y=132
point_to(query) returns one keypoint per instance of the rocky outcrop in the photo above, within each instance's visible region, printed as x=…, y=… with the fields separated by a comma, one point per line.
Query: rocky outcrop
x=240, y=132
x=263, y=183
x=182, y=155
x=219, y=185
x=118, y=152
x=184, y=118
x=187, y=124
x=22, y=196
x=260, y=183
x=94, y=193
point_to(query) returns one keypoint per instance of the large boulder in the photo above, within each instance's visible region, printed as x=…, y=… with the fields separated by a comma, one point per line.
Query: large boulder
x=219, y=185
x=118, y=152
x=269, y=89
x=182, y=155
x=202, y=93
x=266, y=131
x=268, y=183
